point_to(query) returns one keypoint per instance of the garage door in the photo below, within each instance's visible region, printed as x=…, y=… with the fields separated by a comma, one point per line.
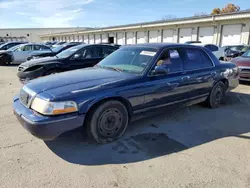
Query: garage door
x=231, y=34
x=206, y=35
x=91, y=39
x=86, y=39
x=153, y=36
x=104, y=38
x=97, y=39
x=140, y=37
x=185, y=35
x=130, y=38
x=168, y=35
x=120, y=38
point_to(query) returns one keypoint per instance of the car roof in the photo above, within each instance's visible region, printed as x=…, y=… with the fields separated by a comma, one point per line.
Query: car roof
x=161, y=45
x=15, y=42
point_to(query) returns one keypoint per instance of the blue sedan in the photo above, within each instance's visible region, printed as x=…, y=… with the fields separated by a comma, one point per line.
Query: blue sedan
x=132, y=80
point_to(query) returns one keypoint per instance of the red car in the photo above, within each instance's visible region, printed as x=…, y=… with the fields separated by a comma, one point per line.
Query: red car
x=243, y=63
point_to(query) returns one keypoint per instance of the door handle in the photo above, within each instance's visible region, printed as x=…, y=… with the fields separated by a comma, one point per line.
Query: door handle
x=185, y=78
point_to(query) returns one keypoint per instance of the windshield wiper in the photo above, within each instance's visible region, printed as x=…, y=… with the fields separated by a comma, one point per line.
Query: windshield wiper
x=113, y=68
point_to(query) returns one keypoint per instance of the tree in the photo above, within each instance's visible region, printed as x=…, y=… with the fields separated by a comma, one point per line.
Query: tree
x=227, y=9
x=230, y=8
x=216, y=11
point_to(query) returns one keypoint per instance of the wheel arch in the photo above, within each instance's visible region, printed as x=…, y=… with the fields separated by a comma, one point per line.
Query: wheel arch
x=224, y=81
x=123, y=100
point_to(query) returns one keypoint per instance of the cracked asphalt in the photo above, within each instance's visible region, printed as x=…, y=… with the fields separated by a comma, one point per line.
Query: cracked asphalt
x=183, y=148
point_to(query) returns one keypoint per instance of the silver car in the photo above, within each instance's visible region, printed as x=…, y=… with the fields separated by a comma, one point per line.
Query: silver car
x=20, y=53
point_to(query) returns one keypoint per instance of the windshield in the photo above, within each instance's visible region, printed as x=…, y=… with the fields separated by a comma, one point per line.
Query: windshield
x=14, y=47
x=57, y=49
x=2, y=45
x=69, y=52
x=134, y=60
x=246, y=54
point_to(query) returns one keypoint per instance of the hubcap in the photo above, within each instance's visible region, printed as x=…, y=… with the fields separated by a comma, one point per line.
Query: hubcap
x=218, y=94
x=110, y=122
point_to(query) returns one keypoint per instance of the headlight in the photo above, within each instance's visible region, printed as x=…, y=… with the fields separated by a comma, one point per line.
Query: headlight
x=53, y=108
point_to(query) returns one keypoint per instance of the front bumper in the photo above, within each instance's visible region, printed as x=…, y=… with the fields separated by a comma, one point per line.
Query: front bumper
x=45, y=127
x=244, y=73
x=233, y=83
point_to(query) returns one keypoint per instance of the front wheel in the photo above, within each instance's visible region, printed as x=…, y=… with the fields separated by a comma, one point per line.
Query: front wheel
x=4, y=60
x=108, y=122
x=216, y=95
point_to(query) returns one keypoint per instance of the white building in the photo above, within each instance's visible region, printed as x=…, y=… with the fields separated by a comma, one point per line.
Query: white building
x=32, y=34
x=224, y=29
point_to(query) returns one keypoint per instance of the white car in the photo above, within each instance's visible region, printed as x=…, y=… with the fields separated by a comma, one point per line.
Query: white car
x=219, y=52
x=20, y=53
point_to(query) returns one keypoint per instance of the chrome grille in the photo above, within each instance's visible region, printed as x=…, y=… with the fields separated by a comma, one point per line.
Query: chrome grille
x=245, y=71
x=25, y=98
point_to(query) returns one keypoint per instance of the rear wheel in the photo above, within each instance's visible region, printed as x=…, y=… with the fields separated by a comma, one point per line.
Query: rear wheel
x=217, y=95
x=107, y=122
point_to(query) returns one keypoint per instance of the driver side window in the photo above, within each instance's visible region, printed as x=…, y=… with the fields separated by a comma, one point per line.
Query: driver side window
x=27, y=48
x=170, y=60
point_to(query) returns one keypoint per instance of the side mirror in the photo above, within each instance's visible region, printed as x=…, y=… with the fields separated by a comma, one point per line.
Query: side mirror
x=76, y=56
x=160, y=70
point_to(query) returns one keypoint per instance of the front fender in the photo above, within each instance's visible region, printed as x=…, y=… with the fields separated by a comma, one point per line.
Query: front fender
x=86, y=105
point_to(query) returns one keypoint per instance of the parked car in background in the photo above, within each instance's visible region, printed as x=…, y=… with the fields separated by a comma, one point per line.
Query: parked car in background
x=58, y=44
x=2, y=43
x=217, y=51
x=50, y=44
x=193, y=42
x=132, y=80
x=54, y=52
x=18, y=54
x=76, y=43
x=8, y=45
x=80, y=56
x=243, y=62
x=235, y=51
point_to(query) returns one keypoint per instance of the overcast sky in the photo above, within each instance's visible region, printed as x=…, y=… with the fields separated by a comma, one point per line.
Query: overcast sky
x=99, y=13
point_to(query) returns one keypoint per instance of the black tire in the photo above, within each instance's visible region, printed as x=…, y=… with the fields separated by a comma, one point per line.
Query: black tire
x=216, y=95
x=107, y=122
x=52, y=71
x=4, y=60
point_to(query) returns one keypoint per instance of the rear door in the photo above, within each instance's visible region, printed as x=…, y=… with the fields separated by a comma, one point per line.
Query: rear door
x=86, y=57
x=199, y=71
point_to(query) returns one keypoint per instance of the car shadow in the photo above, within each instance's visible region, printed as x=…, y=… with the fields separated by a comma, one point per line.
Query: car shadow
x=170, y=131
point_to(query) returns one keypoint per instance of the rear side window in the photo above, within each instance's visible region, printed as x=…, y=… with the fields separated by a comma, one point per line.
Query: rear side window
x=196, y=59
x=40, y=47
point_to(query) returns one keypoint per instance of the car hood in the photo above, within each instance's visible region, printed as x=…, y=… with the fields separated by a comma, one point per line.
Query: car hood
x=39, y=61
x=77, y=81
x=242, y=61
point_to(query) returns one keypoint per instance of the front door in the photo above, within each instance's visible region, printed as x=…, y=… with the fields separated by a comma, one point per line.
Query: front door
x=21, y=54
x=168, y=88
